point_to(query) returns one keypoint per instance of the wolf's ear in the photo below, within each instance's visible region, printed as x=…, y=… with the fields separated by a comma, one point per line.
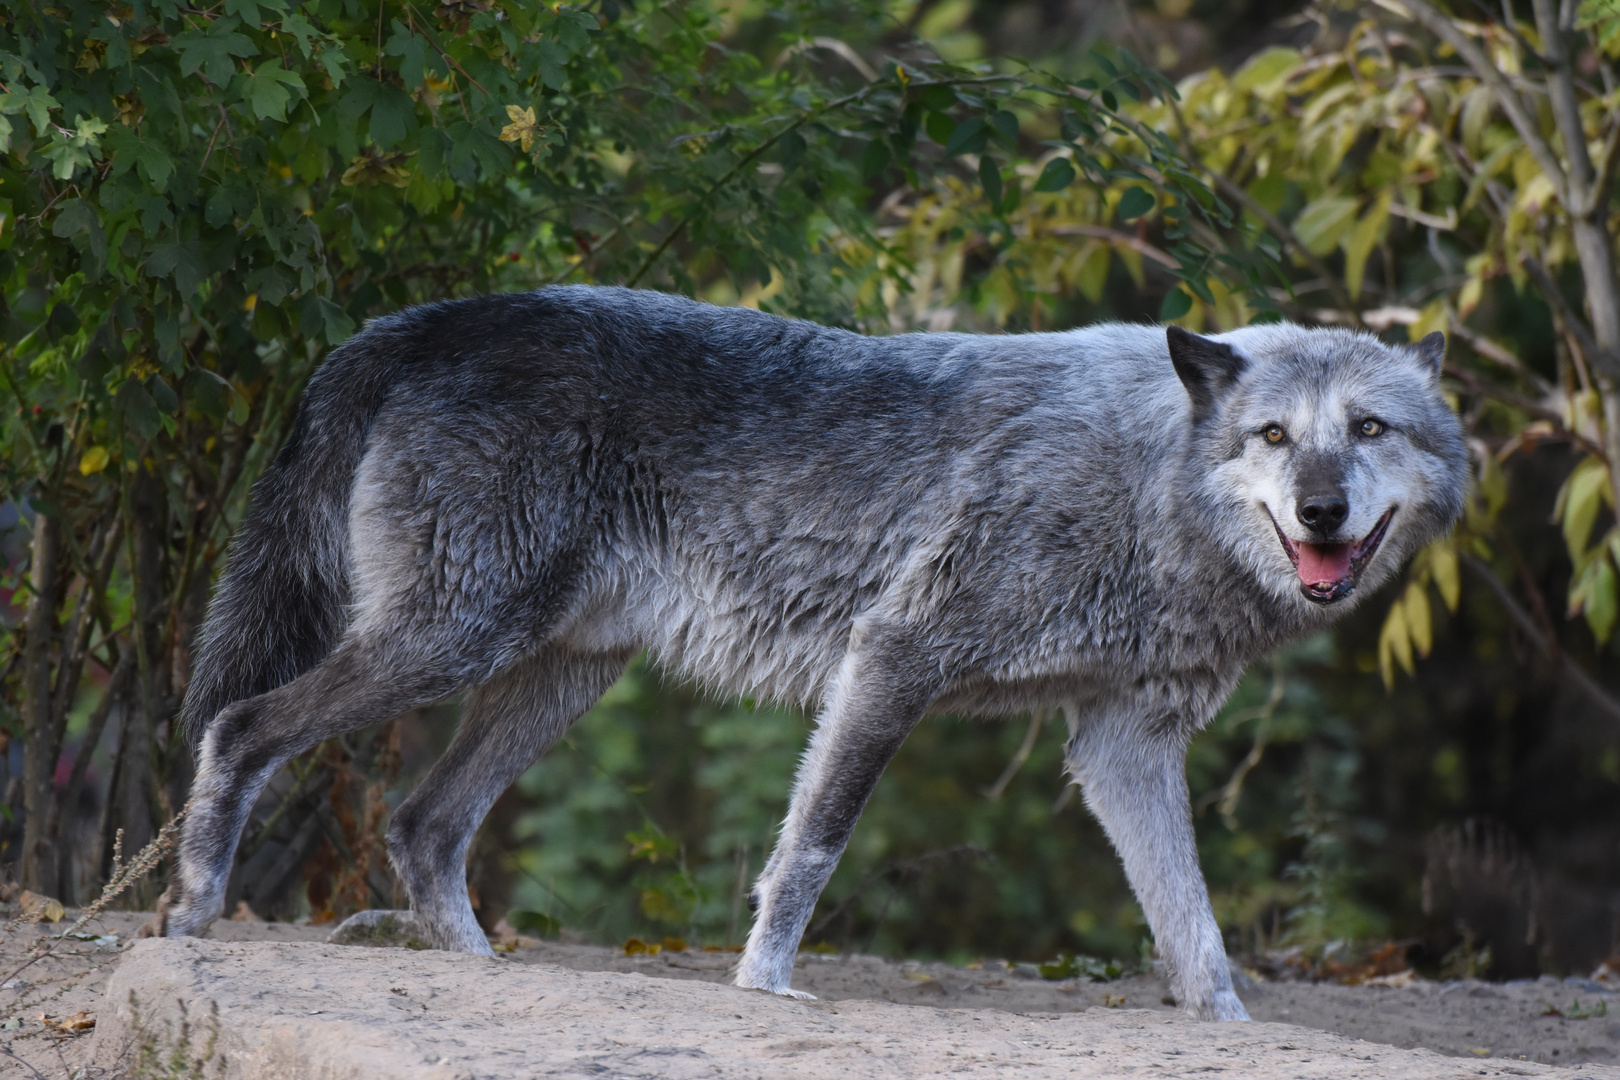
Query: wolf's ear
x=1432, y=350
x=1206, y=368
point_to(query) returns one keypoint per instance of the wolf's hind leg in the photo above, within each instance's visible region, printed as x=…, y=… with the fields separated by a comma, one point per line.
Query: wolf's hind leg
x=364, y=681
x=1135, y=781
x=880, y=692
x=506, y=724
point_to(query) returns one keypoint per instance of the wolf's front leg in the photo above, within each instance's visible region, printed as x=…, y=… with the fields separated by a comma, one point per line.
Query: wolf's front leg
x=1134, y=779
x=880, y=692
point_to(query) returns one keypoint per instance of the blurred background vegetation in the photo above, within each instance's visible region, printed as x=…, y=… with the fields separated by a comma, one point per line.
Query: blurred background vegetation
x=196, y=202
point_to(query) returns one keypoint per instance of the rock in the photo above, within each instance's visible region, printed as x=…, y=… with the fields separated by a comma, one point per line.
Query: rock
x=380, y=929
x=283, y=1011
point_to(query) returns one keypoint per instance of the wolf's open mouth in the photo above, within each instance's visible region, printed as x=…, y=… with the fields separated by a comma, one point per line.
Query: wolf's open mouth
x=1328, y=572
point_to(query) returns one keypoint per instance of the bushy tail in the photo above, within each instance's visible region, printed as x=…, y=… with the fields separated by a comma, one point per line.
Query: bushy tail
x=282, y=602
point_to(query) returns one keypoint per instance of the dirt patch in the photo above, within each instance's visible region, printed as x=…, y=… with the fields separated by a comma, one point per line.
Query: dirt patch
x=482, y=1013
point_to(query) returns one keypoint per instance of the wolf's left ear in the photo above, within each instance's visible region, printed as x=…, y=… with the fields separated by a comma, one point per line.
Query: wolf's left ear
x=1432, y=349
x=1206, y=368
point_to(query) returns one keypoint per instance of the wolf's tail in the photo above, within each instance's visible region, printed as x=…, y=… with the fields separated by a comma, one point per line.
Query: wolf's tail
x=282, y=602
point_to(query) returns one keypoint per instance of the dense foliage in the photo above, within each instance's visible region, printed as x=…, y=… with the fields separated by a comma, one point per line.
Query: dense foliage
x=198, y=202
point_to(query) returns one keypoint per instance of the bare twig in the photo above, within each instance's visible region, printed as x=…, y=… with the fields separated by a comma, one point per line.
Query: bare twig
x=1520, y=115
x=1135, y=243
x=1577, y=675
x=142, y=864
x=1554, y=296
x=997, y=789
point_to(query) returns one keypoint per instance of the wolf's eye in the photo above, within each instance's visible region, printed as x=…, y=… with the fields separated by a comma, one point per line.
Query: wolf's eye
x=1275, y=434
x=1371, y=428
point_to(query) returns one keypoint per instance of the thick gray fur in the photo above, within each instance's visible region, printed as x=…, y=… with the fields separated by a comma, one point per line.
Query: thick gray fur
x=508, y=496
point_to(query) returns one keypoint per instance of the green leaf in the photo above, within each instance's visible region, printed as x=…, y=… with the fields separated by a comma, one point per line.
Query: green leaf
x=1006, y=124
x=412, y=52
x=138, y=409
x=990, y=179
x=790, y=150
x=36, y=101
x=939, y=127
x=211, y=52
x=185, y=261
x=553, y=64
x=1134, y=203
x=1176, y=304
x=1057, y=175
x=76, y=217
x=874, y=159
x=269, y=88
x=321, y=317
x=393, y=113
x=968, y=138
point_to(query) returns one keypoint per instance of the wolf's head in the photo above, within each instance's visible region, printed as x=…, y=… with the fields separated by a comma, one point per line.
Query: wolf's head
x=1324, y=457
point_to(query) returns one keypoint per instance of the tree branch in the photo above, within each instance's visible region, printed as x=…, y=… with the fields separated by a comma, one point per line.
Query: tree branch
x=1274, y=225
x=1520, y=115
x=1554, y=296
x=1577, y=675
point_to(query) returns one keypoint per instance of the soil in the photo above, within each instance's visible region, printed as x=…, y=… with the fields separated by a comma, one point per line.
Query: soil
x=1495, y=1029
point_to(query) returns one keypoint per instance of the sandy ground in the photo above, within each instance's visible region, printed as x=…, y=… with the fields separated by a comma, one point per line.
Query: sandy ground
x=1500, y=1029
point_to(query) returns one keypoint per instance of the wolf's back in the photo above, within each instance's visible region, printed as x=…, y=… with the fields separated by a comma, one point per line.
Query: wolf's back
x=280, y=606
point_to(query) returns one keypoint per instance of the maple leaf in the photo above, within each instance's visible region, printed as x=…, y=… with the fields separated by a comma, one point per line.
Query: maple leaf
x=523, y=128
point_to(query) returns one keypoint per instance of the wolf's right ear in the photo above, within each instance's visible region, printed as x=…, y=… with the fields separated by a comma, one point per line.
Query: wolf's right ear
x=1432, y=350
x=1206, y=368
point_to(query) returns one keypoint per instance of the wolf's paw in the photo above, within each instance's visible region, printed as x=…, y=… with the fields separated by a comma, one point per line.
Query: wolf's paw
x=798, y=995
x=158, y=924
x=1222, y=1005
x=178, y=915
x=381, y=929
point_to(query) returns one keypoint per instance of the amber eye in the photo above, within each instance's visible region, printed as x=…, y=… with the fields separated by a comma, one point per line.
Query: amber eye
x=1275, y=434
x=1371, y=428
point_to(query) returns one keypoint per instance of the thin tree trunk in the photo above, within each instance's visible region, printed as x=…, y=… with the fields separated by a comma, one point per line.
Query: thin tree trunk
x=40, y=751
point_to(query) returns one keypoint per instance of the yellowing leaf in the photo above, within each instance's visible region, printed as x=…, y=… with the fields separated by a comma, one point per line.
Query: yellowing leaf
x=1088, y=269
x=1432, y=318
x=637, y=947
x=523, y=128
x=1321, y=224
x=93, y=460
x=1594, y=595
x=1469, y=296
x=1394, y=644
x=1267, y=70
x=1443, y=568
x=1582, y=496
x=1418, y=622
x=39, y=908
x=1368, y=231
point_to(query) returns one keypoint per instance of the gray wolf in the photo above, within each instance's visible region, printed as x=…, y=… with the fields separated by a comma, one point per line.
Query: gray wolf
x=507, y=497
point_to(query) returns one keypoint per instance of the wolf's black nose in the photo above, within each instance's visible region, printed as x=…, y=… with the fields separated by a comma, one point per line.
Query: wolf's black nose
x=1323, y=513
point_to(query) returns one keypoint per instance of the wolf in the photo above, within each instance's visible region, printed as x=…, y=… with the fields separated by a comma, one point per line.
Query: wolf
x=507, y=497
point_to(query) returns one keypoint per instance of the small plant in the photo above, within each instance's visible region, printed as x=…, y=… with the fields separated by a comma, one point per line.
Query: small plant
x=1080, y=967
x=123, y=877
x=162, y=1059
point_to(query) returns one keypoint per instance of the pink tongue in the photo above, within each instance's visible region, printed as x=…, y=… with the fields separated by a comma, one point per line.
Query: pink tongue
x=1323, y=564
